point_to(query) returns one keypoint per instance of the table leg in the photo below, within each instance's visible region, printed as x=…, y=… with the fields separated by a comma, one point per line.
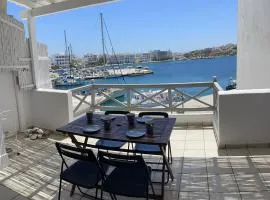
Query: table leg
x=74, y=141
x=163, y=177
x=163, y=151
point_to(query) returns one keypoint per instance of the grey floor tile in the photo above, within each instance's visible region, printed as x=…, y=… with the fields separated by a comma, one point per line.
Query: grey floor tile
x=194, y=165
x=218, y=165
x=225, y=196
x=193, y=195
x=6, y=193
x=194, y=183
x=222, y=183
x=20, y=197
x=265, y=177
x=238, y=152
x=250, y=183
x=255, y=195
x=242, y=165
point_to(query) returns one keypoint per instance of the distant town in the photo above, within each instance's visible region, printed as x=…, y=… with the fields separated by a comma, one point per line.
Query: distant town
x=61, y=60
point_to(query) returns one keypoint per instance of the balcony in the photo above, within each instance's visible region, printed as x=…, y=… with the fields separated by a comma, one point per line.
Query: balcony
x=208, y=127
x=201, y=170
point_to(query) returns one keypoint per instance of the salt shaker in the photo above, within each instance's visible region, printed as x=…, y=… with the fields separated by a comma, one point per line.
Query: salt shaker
x=149, y=127
x=131, y=119
x=89, y=116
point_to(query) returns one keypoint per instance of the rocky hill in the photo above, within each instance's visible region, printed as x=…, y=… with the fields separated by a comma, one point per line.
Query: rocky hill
x=225, y=50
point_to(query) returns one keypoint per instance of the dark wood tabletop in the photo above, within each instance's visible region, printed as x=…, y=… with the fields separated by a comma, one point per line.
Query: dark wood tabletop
x=119, y=127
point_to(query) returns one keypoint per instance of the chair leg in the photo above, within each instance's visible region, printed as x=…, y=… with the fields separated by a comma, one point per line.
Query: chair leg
x=101, y=193
x=113, y=197
x=170, y=151
x=60, y=187
x=168, y=178
x=96, y=192
x=152, y=187
x=128, y=148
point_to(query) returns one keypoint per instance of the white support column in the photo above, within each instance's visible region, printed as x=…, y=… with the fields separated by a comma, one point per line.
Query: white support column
x=3, y=6
x=253, y=44
x=33, y=48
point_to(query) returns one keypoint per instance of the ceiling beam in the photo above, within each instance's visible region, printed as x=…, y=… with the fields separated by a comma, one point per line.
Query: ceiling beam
x=3, y=6
x=24, y=3
x=61, y=6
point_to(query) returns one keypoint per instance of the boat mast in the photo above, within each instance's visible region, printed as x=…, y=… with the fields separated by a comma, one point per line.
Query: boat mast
x=67, y=52
x=70, y=63
x=65, y=35
x=102, y=38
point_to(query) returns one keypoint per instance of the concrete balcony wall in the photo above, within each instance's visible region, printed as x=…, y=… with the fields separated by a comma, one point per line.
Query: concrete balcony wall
x=51, y=108
x=243, y=117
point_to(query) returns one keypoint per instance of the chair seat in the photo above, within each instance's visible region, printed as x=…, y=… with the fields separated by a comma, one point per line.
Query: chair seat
x=84, y=174
x=147, y=148
x=109, y=144
x=122, y=182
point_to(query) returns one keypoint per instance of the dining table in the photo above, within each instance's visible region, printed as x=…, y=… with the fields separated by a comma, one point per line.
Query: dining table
x=119, y=127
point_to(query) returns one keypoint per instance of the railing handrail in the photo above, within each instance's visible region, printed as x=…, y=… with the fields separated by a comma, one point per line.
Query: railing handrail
x=217, y=86
x=92, y=101
x=161, y=85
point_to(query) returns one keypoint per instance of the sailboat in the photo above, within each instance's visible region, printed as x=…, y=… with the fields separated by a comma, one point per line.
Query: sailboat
x=69, y=81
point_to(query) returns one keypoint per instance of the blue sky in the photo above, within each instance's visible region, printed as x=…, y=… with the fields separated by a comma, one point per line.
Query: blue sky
x=140, y=25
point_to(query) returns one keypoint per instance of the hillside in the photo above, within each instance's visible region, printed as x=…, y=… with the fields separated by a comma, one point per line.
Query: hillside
x=225, y=50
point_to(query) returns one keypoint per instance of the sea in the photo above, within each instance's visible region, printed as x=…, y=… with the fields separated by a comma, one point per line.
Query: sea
x=200, y=70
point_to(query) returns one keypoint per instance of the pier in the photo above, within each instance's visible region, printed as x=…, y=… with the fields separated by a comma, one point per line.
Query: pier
x=118, y=72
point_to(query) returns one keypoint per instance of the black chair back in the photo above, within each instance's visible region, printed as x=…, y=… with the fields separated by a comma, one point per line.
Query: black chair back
x=75, y=153
x=116, y=112
x=130, y=175
x=162, y=114
x=122, y=161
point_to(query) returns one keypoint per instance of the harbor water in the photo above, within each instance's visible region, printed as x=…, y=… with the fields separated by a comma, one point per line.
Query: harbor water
x=199, y=70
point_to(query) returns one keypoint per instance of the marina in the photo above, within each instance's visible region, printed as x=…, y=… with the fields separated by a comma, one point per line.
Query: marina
x=224, y=68
x=200, y=70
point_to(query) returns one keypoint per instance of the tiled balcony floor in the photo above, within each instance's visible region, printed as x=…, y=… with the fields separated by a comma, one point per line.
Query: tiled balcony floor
x=201, y=170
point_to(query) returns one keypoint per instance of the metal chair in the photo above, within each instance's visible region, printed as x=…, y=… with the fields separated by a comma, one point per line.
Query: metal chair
x=130, y=177
x=154, y=149
x=86, y=172
x=110, y=144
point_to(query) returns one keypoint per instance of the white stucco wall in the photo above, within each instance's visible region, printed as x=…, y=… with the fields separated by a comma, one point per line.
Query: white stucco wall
x=51, y=108
x=253, y=60
x=42, y=70
x=244, y=117
x=8, y=103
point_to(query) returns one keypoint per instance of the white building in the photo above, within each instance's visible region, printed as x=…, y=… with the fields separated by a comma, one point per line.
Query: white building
x=61, y=60
x=178, y=56
x=158, y=55
x=90, y=58
x=121, y=59
x=143, y=57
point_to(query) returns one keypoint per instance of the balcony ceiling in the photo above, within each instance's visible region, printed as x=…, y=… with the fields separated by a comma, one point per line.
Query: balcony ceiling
x=46, y=7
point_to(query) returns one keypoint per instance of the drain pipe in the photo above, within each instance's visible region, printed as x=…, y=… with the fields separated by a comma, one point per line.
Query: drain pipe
x=18, y=106
x=16, y=89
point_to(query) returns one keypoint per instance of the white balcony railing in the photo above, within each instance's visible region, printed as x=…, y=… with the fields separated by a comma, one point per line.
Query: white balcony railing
x=178, y=98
